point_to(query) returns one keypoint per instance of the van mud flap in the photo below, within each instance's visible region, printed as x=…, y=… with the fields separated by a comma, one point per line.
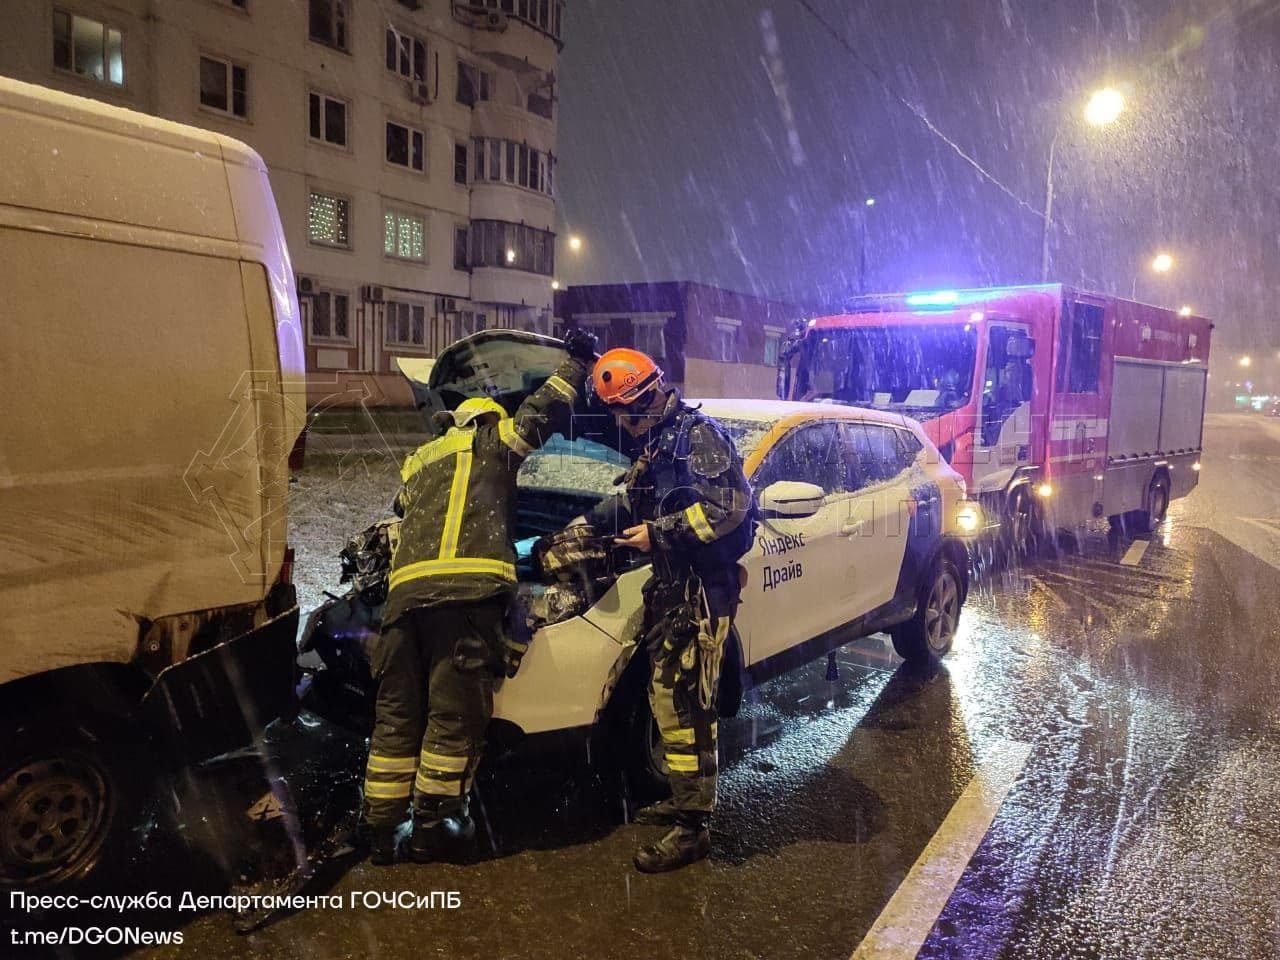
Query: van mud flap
x=223, y=698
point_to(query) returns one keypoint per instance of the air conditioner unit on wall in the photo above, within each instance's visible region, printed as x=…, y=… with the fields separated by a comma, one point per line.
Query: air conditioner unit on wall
x=495, y=21
x=372, y=294
x=419, y=91
x=450, y=305
x=306, y=285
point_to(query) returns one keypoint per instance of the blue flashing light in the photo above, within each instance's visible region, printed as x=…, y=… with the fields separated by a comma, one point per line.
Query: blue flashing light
x=938, y=298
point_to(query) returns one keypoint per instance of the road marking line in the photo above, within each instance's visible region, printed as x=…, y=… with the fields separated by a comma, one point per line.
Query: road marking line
x=1133, y=556
x=904, y=923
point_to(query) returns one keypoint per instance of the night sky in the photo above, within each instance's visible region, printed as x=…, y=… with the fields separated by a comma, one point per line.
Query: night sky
x=735, y=142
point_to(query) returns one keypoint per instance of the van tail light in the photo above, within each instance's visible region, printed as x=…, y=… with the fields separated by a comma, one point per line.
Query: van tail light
x=299, y=452
x=286, y=568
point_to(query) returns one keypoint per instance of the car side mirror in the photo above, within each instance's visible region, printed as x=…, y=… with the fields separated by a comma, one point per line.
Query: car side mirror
x=791, y=498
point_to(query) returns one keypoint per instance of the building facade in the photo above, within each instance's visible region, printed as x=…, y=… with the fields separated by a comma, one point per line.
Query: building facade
x=411, y=146
x=709, y=342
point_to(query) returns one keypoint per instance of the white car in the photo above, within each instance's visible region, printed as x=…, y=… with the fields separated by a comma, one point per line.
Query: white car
x=862, y=528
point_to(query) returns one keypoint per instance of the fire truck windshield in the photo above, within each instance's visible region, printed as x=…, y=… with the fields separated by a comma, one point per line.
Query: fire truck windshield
x=923, y=368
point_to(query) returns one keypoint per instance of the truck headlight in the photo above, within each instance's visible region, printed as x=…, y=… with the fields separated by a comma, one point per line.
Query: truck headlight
x=968, y=517
x=1045, y=490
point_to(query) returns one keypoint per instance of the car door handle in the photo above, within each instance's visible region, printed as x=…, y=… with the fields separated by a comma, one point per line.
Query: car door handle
x=852, y=527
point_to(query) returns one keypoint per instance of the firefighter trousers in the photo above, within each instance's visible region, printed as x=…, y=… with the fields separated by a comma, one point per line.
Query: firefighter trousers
x=435, y=668
x=687, y=624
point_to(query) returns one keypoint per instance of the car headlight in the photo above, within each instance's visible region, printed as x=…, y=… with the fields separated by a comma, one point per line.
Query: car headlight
x=968, y=517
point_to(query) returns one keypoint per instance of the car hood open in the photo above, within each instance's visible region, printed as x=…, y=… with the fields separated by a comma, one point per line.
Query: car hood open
x=506, y=365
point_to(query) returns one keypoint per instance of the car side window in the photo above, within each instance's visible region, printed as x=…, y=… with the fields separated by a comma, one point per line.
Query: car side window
x=875, y=453
x=810, y=454
x=909, y=446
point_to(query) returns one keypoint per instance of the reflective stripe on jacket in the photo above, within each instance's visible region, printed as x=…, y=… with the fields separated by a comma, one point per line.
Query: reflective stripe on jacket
x=459, y=501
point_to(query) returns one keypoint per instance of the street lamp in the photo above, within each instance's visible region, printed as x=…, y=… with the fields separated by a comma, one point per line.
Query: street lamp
x=1246, y=361
x=1184, y=312
x=862, y=245
x=1103, y=108
x=575, y=243
x=1161, y=263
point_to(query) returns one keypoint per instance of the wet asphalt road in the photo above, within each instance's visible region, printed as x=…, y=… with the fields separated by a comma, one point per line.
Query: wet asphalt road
x=1145, y=823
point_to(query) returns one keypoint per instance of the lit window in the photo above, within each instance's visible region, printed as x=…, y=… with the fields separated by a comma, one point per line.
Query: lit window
x=224, y=87
x=328, y=22
x=328, y=119
x=404, y=236
x=88, y=48
x=406, y=325
x=328, y=220
x=406, y=55
x=330, y=316
x=406, y=147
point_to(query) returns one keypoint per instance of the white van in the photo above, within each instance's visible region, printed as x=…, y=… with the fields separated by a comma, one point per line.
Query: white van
x=151, y=364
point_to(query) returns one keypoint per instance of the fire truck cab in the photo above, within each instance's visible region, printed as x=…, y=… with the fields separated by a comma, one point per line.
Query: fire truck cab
x=1056, y=405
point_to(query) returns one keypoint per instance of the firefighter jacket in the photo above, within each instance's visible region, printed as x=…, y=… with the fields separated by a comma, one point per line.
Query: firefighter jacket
x=687, y=484
x=458, y=501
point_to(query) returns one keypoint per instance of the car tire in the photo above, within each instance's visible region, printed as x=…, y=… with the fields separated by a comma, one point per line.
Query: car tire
x=927, y=637
x=631, y=748
x=70, y=801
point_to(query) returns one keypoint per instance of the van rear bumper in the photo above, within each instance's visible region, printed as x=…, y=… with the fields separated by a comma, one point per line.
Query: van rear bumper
x=223, y=698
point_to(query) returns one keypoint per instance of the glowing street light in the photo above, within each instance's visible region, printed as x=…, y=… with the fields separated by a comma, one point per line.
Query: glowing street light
x=555, y=284
x=1246, y=361
x=1184, y=312
x=1104, y=107
x=1162, y=263
x=575, y=243
x=511, y=255
x=871, y=201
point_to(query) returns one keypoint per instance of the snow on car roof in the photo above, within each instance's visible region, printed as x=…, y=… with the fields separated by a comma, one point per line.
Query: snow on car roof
x=768, y=411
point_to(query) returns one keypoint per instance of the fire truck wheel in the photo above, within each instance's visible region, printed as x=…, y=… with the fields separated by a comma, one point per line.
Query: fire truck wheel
x=1157, y=503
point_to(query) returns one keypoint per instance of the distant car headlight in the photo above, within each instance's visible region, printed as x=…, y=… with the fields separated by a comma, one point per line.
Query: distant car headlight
x=968, y=517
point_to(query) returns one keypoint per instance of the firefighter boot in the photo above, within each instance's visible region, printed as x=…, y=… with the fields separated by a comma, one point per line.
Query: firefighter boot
x=382, y=846
x=660, y=814
x=436, y=838
x=679, y=847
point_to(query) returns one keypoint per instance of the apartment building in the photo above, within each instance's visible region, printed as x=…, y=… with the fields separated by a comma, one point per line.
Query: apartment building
x=411, y=146
x=710, y=342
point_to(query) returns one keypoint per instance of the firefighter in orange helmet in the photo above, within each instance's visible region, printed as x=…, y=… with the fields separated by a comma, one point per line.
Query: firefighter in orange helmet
x=688, y=505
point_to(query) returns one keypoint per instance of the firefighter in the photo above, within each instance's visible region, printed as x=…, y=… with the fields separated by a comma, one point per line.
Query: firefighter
x=688, y=505
x=445, y=634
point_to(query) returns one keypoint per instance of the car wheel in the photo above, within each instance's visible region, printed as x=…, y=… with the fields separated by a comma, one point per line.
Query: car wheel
x=928, y=635
x=68, y=802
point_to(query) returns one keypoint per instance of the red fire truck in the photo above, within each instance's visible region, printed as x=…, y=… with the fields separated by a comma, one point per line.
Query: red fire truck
x=1055, y=404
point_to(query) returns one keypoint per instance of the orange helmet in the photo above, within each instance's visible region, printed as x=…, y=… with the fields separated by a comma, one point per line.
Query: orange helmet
x=623, y=376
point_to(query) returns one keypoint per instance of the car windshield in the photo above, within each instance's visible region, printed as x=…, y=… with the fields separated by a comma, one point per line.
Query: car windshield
x=921, y=368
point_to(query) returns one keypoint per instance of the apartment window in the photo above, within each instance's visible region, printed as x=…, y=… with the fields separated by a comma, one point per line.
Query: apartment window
x=224, y=87
x=495, y=160
x=478, y=151
x=469, y=322
x=460, y=248
x=649, y=336
x=724, y=343
x=328, y=220
x=328, y=22
x=601, y=329
x=460, y=163
x=406, y=146
x=772, y=345
x=328, y=119
x=88, y=48
x=406, y=55
x=500, y=243
x=509, y=172
x=330, y=312
x=406, y=325
x=473, y=83
x=404, y=235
